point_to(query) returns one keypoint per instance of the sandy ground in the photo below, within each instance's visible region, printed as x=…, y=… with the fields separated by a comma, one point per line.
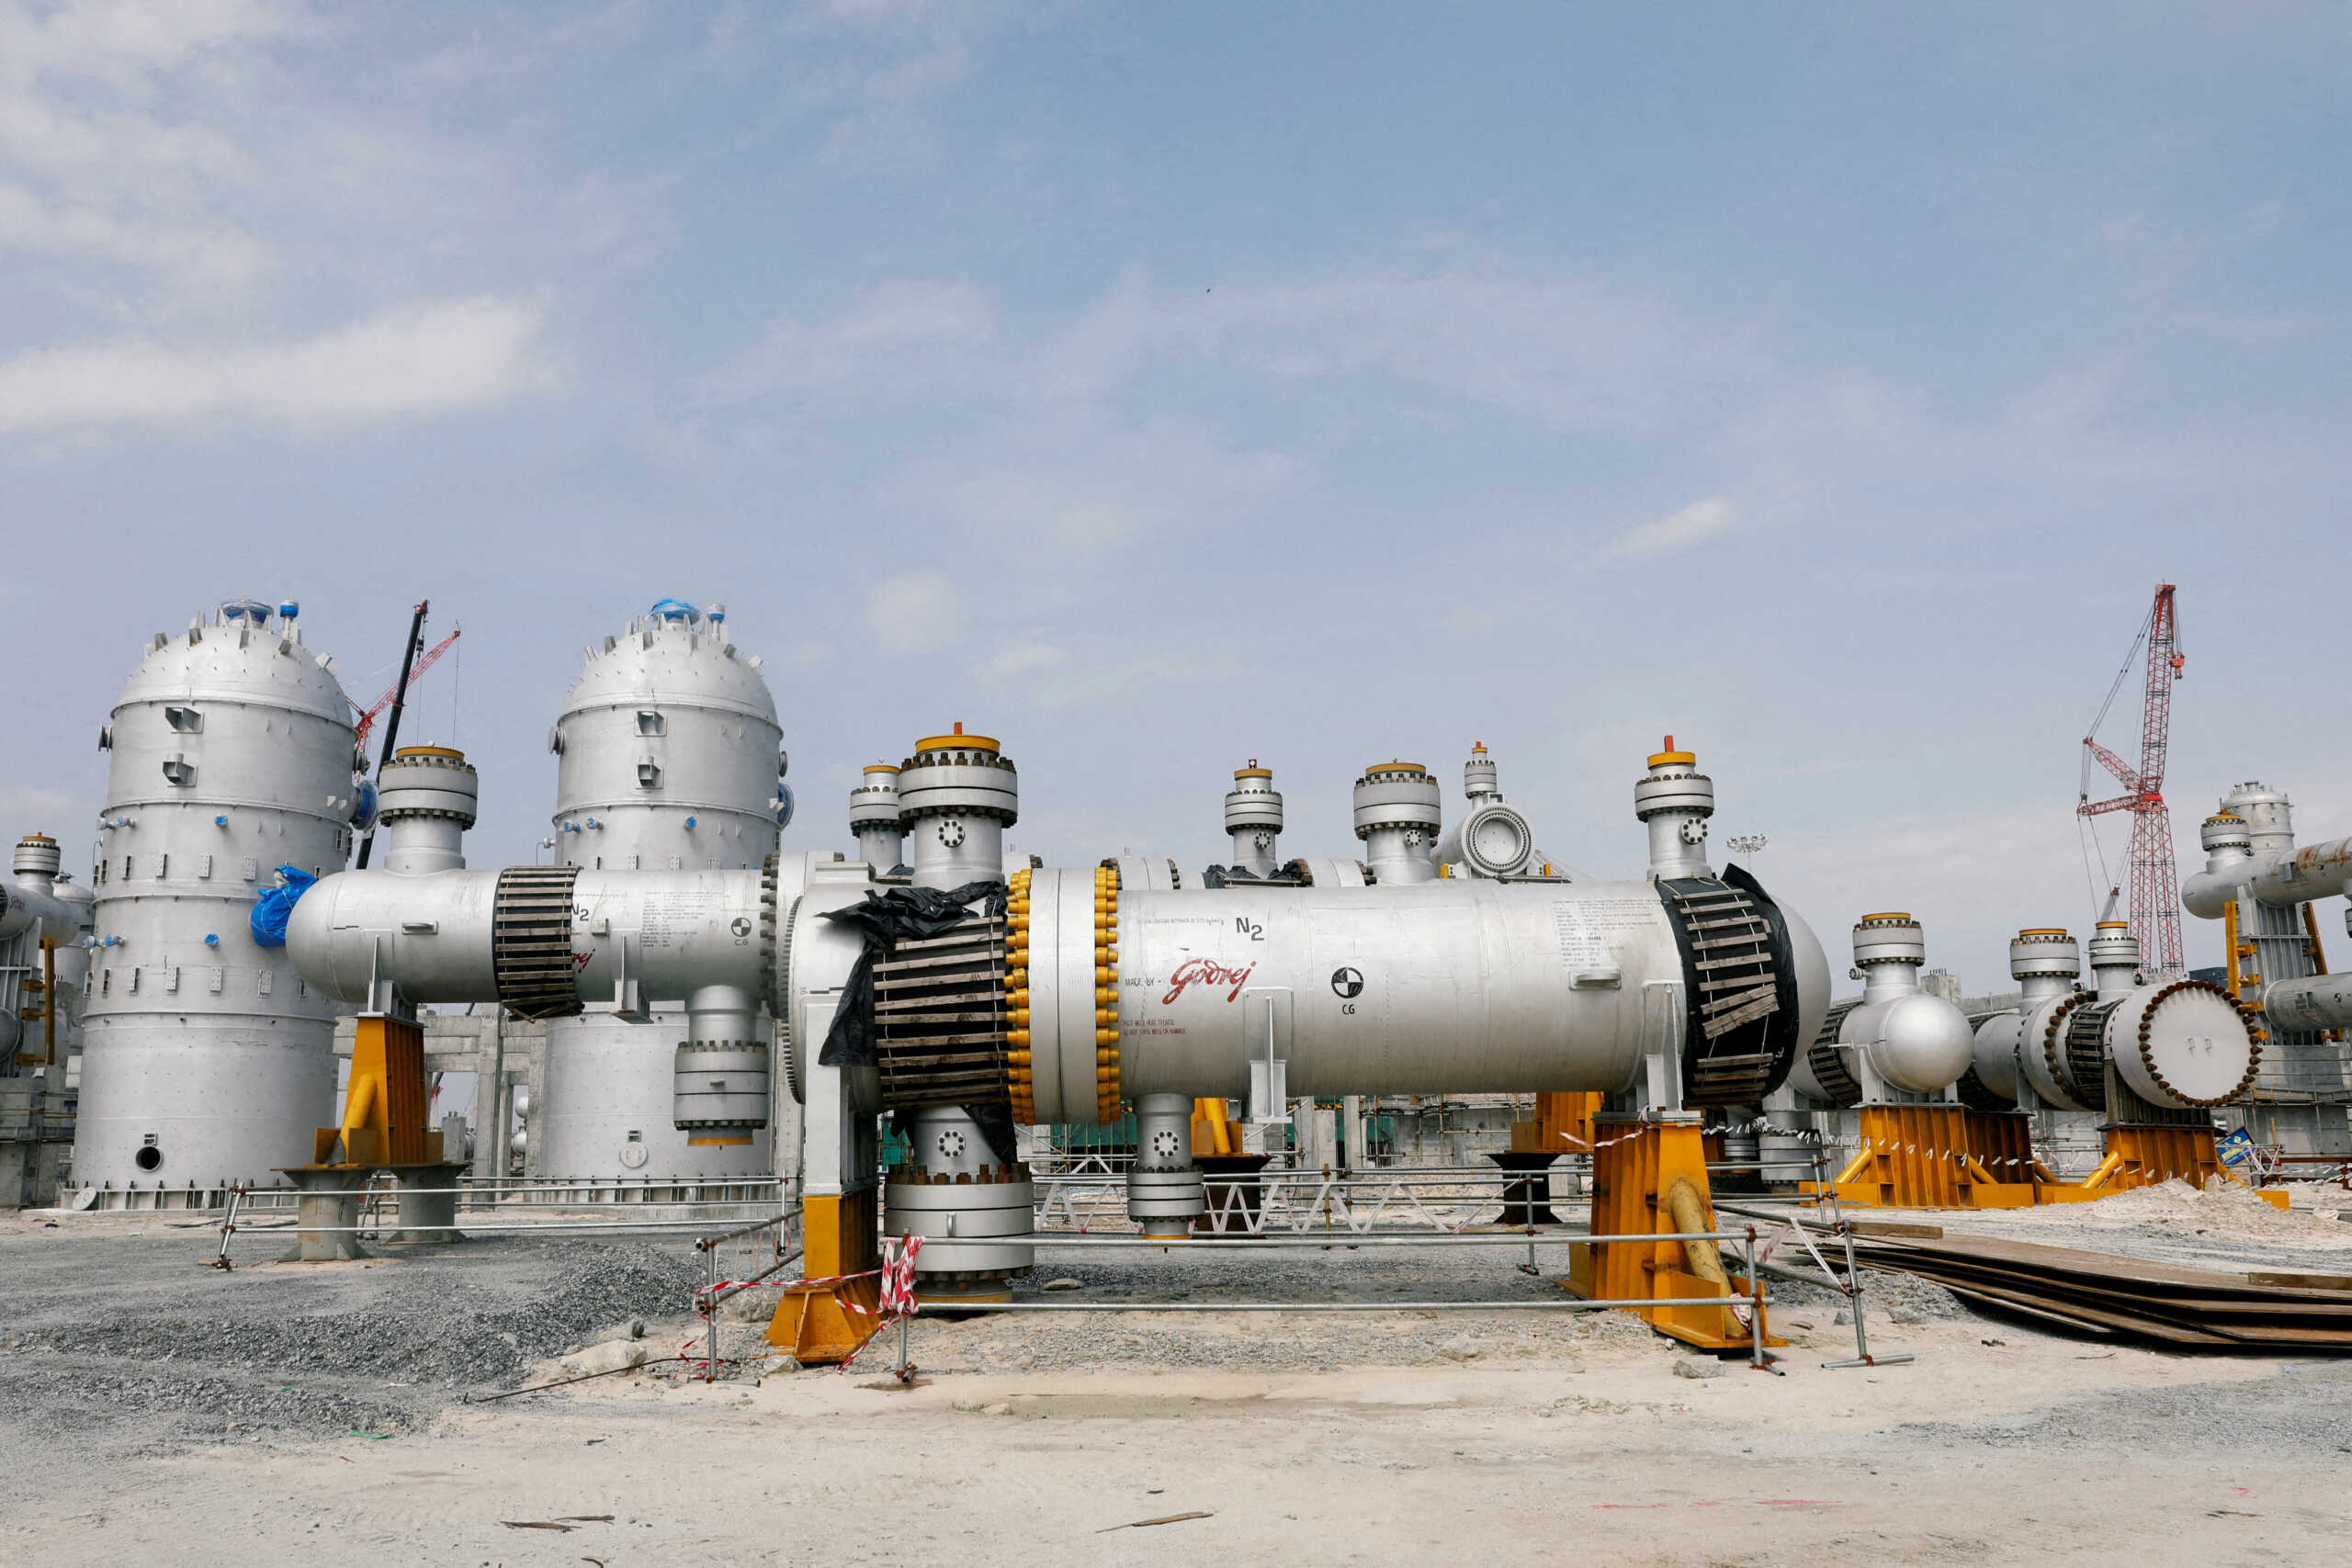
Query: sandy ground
x=1456, y=1437
x=2029, y=1452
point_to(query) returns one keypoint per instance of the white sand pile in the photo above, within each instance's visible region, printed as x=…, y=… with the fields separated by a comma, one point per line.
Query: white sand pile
x=2223, y=1209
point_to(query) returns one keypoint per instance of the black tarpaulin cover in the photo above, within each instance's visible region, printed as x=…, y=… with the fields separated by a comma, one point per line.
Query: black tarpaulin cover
x=887, y=919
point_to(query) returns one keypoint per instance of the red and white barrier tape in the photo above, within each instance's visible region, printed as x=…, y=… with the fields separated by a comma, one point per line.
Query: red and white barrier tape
x=898, y=1299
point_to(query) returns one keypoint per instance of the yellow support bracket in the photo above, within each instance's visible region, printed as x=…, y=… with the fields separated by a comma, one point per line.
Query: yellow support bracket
x=384, y=1110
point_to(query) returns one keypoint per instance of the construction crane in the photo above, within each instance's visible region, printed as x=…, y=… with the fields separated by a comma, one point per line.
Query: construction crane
x=413, y=662
x=2154, y=883
x=424, y=662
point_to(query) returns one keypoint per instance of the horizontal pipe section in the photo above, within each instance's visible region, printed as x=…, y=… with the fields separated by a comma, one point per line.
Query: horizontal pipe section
x=433, y=937
x=2321, y=1001
x=2276, y=876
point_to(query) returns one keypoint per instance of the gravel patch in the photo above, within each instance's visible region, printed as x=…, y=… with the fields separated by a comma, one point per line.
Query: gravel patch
x=2306, y=1409
x=118, y=1340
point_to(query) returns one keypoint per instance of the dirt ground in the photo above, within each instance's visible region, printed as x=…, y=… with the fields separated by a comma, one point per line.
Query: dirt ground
x=1486, y=1438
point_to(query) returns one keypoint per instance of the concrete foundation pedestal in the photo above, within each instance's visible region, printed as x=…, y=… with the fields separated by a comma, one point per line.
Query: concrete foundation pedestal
x=326, y=1215
x=428, y=1204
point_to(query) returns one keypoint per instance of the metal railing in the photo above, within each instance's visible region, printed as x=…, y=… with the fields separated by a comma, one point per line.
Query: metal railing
x=1748, y=1310
x=760, y=1251
x=479, y=1192
x=1823, y=1195
x=1299, y=1200
x=367, y=1206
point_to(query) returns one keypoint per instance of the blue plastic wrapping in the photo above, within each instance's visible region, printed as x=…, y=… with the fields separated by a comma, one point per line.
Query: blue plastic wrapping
x=275, y=906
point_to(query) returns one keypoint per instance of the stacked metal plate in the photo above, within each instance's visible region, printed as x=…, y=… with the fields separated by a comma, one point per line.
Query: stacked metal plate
x=2126, y=1296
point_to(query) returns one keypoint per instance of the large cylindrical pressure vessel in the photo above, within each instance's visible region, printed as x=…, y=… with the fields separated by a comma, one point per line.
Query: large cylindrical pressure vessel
x=67, y=919
x=1362, y=991
x=2179, y=1044
x=2250, y=851
x=1460, y=985
x=2323, y=1001
x=669, y=759
x=2182, y=1044
x=45, y=924
x=207, y=1061
x=37, y=911
x=2268, y=815
x=2303, y=876
x=546, y=941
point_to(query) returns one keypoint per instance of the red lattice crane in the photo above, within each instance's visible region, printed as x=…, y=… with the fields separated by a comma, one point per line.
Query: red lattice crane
x=423, y=662
x=2154, y=880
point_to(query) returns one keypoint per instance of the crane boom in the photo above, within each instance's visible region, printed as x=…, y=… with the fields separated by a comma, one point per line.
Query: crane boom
x=423, y=662
x=2153, y=878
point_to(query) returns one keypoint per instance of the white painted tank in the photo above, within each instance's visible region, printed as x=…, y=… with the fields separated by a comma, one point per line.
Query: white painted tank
x=1454, y=985
x=668, y=759
x=206, y=1060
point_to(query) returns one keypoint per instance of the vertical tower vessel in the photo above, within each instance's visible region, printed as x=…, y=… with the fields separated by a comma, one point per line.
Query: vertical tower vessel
x=667, y=758
x=205, y=1059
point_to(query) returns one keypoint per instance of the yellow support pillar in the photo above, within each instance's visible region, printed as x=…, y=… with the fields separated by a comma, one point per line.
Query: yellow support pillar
x=1212, y=1135
x=2142, y=1156
x=836, y=1309
x=384, y=1110
x=1938, y=1157
x=1651, y=1179
x=1562, y=1124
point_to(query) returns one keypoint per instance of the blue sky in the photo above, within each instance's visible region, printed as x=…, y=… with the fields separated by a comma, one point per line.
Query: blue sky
x=1162, y=386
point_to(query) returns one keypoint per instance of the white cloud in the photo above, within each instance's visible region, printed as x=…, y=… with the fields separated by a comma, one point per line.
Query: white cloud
x=1065, y=491
x=1564, y=351
x=1700, y=520
x=124, y=44
x=118, y=143
x=414, y=359
x=891, y=334
x=81, y=85
x=215, y=253
x=1025, y=657
x=917, y=612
